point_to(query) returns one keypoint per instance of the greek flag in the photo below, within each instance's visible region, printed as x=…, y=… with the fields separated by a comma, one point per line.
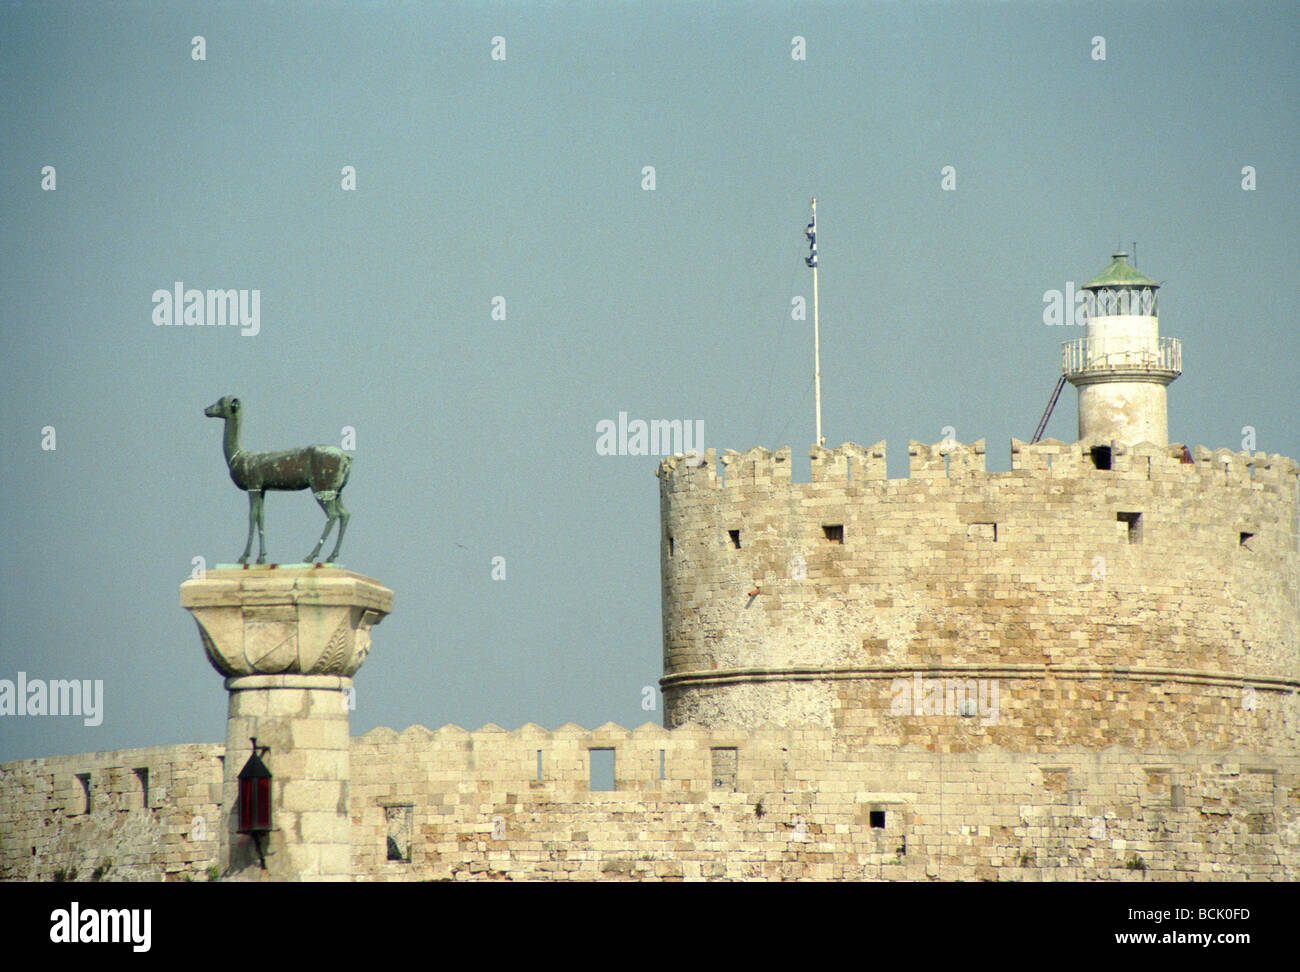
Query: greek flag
x=811, y=233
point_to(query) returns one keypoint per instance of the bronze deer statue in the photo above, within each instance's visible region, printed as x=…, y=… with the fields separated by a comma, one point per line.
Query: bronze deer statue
x=322, y=469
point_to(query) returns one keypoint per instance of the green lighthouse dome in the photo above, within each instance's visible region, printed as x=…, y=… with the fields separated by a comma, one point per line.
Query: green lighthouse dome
x=1119, y=274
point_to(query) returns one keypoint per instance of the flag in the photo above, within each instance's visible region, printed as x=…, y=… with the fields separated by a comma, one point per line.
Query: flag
x=811, y=233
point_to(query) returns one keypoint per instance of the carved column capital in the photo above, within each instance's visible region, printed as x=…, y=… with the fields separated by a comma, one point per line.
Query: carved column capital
x=276, y=621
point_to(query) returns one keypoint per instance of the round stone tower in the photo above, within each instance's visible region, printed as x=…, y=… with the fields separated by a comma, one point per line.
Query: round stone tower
x=1149, y=603
x=1122, y=367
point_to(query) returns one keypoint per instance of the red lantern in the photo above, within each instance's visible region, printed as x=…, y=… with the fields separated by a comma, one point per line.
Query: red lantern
x=254, y=805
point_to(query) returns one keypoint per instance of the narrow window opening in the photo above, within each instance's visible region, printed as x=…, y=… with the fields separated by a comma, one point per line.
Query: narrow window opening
x=1100, y=457
x=1134, y=522
x=877, y=819
x=670, y=545
x=834, y=532
x=539, y=764
x=662, y=764
x=1049, y=460
x=84, y=779
x=724, y=768
x=399, y=820
x=848, y=469
x=735, y=538
x=1243, y=540
x=142, y=774
x=602, y=770
x=947, y=460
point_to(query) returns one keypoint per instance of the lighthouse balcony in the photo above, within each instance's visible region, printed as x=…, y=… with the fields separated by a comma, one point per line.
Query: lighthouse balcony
x=1094, y=358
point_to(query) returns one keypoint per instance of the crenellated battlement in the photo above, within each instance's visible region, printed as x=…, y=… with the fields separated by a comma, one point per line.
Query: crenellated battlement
x=949, y=459
x=513, y=756
x=757, y=466
x=849, y=462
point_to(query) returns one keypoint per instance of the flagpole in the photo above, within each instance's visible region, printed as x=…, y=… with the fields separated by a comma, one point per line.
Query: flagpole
x=817, y=346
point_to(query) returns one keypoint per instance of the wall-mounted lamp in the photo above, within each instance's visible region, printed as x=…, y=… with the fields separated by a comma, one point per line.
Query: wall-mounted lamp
x=254, y=805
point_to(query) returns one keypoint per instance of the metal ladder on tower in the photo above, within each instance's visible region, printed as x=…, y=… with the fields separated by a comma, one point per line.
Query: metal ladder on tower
x=1047, y=412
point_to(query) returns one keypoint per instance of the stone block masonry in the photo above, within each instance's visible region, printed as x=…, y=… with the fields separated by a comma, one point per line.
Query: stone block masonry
x=134, y=815
x=288, y=641
x=1118, y=595
x=800, y=806
x=1124, y=625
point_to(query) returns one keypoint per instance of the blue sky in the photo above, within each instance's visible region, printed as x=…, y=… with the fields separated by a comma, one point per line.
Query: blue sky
x=522, y=178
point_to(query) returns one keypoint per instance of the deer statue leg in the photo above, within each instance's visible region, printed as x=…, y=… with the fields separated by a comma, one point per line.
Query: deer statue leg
x=343, y=516
x=326, y=500
x=261, y=529
x=252, y=525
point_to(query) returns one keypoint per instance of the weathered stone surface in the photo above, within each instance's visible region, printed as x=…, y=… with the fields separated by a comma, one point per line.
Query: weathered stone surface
x=1146, y=726
x=804, y=802
x=288, y=640
x=1143, y=605
x=262, y=620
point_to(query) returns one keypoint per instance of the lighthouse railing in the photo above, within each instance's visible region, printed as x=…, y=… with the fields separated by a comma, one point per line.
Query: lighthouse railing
x=1086, y=355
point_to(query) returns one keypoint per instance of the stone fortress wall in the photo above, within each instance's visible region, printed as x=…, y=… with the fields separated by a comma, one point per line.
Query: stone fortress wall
x=1146, y=724
x=1087, y=667
x=690, y=803
x=135, y=814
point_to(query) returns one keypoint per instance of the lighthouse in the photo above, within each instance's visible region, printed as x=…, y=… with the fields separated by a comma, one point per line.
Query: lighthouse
x=1123, y=366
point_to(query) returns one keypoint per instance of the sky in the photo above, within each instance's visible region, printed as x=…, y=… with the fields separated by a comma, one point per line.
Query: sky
x=526, y=176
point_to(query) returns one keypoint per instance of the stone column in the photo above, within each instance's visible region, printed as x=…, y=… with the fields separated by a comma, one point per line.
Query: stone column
x=288, y=642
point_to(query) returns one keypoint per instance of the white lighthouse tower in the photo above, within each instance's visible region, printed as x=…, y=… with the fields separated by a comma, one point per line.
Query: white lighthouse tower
x=1123, y=366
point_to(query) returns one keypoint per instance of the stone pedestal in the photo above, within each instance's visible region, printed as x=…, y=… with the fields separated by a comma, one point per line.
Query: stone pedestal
x=288, y=642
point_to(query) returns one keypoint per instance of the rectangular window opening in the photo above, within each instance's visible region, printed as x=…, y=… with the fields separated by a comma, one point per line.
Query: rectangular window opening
x=399, y=819
x=142, y=774
x=834, y=532
x=663, y=760
x=1134, y=522
x=670, y=545
x=539, y=764
x=877, y=819
x=724, y=767
x=1100, y=457
x=601, y=779
x=735, y=538
x=84, y=780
